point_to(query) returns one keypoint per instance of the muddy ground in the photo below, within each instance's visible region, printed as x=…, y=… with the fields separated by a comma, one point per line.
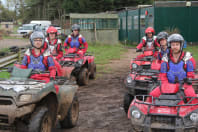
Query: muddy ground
x=102, y=100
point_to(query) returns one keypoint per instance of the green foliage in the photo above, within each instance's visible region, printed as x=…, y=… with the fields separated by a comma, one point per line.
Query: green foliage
x=5, y=14
x=54, y=9
x=194, y=50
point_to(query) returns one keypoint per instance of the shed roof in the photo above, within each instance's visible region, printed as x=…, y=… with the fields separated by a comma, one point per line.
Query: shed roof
x=97, y=15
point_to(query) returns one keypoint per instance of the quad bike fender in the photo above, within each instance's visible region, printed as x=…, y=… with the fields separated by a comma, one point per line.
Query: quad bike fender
x=148, y=53
x=66, y=95
x=141, y=107
x=66, y=71
x=163, y=110
x=169, y=88
x=156, y=65
x=14, y=112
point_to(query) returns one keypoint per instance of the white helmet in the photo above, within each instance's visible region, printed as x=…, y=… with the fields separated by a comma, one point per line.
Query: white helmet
x=176, y=38
x=37, y=34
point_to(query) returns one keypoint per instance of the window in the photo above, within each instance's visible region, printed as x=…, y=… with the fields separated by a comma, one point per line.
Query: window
x=135, y=19
x=129, y=22
x=142, y=21
x=124, y=23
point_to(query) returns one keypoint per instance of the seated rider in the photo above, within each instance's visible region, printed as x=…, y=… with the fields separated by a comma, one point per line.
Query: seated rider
x=149, y=40
x=162, y=40
x=176, y=65
x=35, y=59
x=75, y=42
x=53, y=44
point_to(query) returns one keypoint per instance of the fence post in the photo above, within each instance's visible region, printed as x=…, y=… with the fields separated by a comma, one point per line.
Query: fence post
x=19, y=55
x=95, y=31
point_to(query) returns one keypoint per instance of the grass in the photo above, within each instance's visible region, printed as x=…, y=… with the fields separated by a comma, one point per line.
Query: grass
x=4, y=74
x=104, y=53
x=193, y=50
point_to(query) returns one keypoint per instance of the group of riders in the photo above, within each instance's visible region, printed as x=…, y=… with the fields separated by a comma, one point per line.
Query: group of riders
x=46, y=51
x=176, y=65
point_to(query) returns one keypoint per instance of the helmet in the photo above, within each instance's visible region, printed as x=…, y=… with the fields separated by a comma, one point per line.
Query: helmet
x=176, y=38
x=52, y=29
x=75, y=27
x=162, y=35
x=150, y=30
x=37, y=34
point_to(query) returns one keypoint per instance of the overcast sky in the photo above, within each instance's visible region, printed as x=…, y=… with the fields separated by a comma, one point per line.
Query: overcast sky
x=4, y=2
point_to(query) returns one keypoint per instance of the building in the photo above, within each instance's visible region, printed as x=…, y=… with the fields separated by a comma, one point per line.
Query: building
x=101, y=27
x=180, y=16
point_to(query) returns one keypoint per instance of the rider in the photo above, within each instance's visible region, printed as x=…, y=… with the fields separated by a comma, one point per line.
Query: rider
x=75, y=41
x=35, y=59
x=162, y=40
x=149, y=41
x=53, y=43
x=176, y=65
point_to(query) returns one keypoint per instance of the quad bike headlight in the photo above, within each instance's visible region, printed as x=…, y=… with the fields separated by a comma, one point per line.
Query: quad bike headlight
x=136, y=114
x=194, y=117
x=134, y=66
x=25, y=97
x=80, y=62
x=129, y=79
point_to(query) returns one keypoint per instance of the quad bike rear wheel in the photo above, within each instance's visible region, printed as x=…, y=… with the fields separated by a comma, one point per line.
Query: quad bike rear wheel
x=71, y=118
x=83, y=77
x=93, y=71
x=127, y=101
x=40, y=121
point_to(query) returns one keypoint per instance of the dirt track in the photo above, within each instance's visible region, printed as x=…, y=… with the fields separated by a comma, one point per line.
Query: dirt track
x=101, y=101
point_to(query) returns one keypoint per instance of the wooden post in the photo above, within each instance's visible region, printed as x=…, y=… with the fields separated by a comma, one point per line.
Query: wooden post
x=95, y=31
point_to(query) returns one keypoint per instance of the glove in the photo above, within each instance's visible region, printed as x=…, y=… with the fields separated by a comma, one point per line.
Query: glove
x=138, y=50
x=52, y=79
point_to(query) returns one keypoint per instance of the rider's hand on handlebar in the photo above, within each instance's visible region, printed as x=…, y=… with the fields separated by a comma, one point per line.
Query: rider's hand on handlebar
x=138, y=50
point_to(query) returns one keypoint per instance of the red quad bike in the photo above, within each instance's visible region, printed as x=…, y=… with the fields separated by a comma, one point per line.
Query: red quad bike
x=80, y=66
x=142, y=68
x=138, y=83
x=170, y=112
x=146, y=61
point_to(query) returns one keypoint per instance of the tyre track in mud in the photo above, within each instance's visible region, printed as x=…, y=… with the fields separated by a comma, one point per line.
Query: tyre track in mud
x=102, y=100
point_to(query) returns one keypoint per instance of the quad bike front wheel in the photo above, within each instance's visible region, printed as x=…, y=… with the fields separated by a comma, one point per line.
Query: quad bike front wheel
x=71, y=118
x=83, y=77
x=40, y=121
x=127, y=101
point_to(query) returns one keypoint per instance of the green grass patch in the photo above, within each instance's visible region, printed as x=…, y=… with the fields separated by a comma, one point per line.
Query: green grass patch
x=104, y=53
x=193, y=50
x=4, y=75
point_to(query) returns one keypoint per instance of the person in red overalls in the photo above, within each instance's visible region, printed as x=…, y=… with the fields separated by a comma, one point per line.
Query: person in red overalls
x=75, y=42
x=54, y=45
x=175, y=66
x=149, y=40
x=35, y=59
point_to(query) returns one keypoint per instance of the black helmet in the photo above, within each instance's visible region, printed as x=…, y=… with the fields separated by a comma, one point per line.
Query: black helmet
x=37, y=34
x=162, y=35
x=75, y=27
x=176, y=38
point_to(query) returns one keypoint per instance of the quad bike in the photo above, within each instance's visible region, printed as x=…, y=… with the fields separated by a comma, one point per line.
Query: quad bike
x=172, y=111
x=80, y=66
x=145, y=61
x=138, y=83
x=30, y=105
